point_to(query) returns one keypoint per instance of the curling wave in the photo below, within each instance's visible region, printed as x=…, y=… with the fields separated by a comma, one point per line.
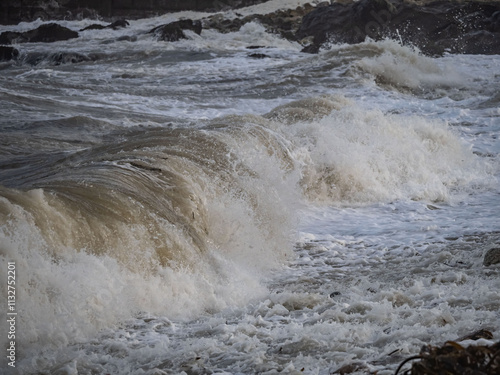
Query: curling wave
x=177, y=221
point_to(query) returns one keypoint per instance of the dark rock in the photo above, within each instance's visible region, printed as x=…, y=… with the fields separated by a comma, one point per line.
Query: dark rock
x=12, y=37
x=492, y=255
x=127, y=38
x=69, y=58
x=311, y=48
x=460, y=27
x=355, y=367
x=476, y=42
x=173, y=31
x=480, y=334
x=15, y=11
x=221, y=24
x=94, y=26
x=49, y=33
x=8, y=53
x=258, y=55
x=46, y=33
x=120, y=24
x=57, y=58
x=347, y=23
x=495, y=22
x=283, y=22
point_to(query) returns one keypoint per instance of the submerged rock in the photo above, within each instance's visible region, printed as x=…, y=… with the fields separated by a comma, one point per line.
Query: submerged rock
x=221, y=24
x=57, y=58
x=69, y=58
x=174, y=31
x=94, y=26
x=355, y=367
x=258, y=55
x=47, y=33
x=492, y=256
x=435, y=27
x=480, y=334
x=8, y=53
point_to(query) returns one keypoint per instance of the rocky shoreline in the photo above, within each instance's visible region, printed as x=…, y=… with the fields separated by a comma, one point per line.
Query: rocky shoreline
x=14, y=11
x=469, y=27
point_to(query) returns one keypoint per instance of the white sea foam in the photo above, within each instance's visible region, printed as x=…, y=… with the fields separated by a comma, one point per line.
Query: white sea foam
x=358, y=155
x=404, y=67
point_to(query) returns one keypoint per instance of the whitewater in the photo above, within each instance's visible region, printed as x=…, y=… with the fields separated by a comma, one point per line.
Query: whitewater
x=187, y=208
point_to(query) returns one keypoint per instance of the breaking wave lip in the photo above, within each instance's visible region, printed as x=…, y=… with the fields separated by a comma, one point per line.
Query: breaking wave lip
x=392, y=65
x=183, y=221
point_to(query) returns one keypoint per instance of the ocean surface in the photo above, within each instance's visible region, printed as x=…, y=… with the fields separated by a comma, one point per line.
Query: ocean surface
x=182, y=207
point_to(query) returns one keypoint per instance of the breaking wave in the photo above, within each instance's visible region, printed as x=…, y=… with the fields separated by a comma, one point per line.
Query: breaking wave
x=181, y=221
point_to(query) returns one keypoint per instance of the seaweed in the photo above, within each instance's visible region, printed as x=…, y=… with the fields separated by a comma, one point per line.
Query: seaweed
x=453, y=358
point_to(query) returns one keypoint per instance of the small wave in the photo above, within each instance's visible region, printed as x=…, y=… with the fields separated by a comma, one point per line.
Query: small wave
x=404, y=68
x=54, y=59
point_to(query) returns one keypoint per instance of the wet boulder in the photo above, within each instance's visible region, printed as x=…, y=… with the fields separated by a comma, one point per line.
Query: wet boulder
x=284, y=22
x=476, y=42
x=221, y=24
x=61, y=58
x=492, y=255
x=94, y=26
x=8, y=53
x=347, y=22
x=258, y=55
x=12, y=37
x=57, y=58
x=435, y=27
x=47, y=33
x=174, y=31
x=119, y=24
x=51, y=32
x=494, y=22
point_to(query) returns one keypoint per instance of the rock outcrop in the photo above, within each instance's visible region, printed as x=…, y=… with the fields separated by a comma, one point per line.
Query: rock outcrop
x=284, y=22
x=8, y=53
x=173, y=31
x=434, y=27
x=15, y=11
x=46, y=33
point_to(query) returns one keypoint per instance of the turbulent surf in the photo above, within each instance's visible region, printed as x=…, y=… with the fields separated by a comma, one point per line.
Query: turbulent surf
x=186, y=207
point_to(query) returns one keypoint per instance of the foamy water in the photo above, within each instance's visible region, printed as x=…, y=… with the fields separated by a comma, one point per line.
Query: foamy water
x=183, y=207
